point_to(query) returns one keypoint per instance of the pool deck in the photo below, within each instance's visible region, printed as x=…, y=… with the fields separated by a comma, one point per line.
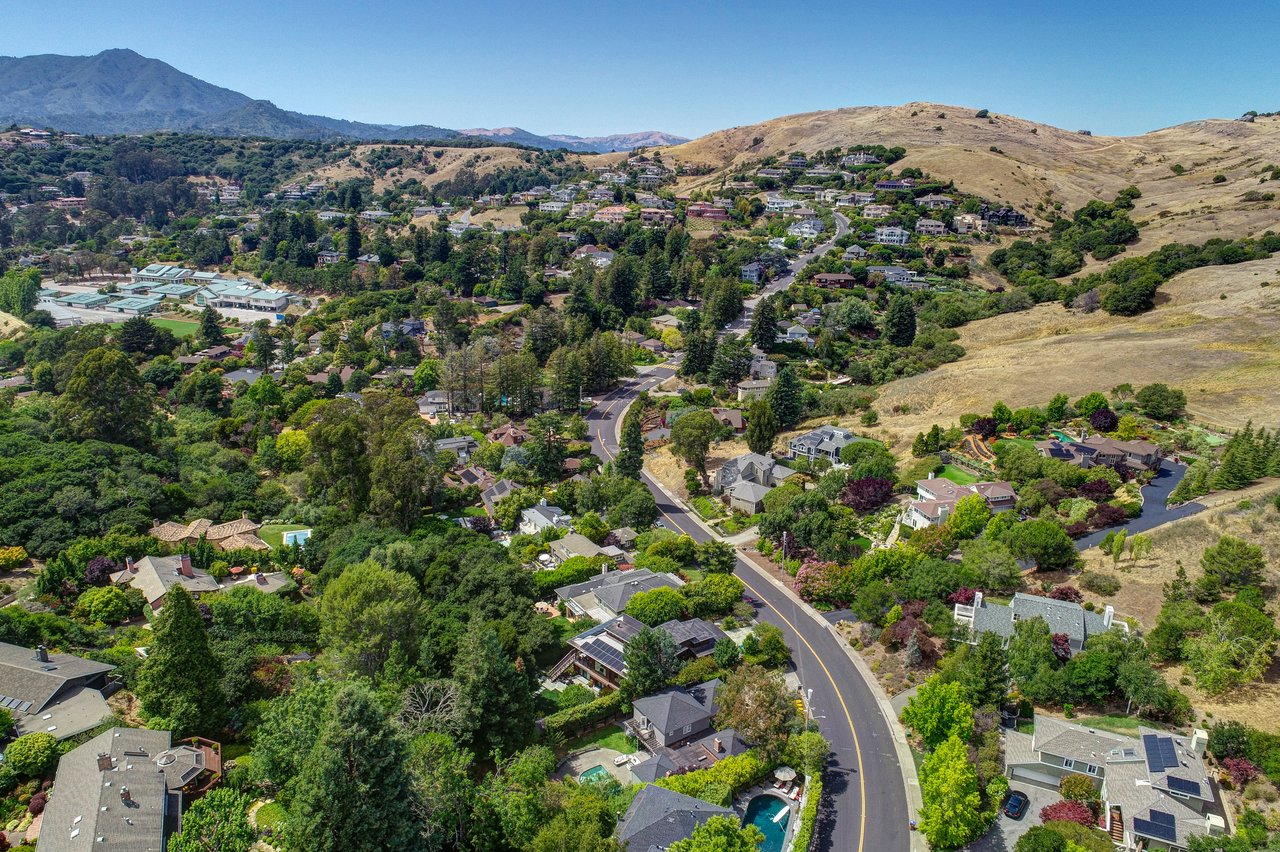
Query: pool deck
x=575, y=764
x=742, y=802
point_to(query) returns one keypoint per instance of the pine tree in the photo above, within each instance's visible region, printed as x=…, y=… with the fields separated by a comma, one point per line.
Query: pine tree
x=631, y=454
x=211, y=333
x=353, y=238
x=180, y=681
x=900, y=321
x=764, y=325
x=495, y=705
x=786, y=397
x=137, y=334
x=353, y=793
x=762, y=426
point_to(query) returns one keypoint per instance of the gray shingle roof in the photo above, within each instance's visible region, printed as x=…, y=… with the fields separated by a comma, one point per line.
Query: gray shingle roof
x=1062, y=616
x=659, y=817
x=671, y=710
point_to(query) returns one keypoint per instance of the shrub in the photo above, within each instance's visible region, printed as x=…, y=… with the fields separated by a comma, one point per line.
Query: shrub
x=1242, y=770
x=1104, y=420
x=1077, y=812
x=737, y=772
x=572, y=721
x=32, y=754
x=1099, y=583
x=1078, y=788
x=1066, y=593
x=808, y=816
x=35, y=807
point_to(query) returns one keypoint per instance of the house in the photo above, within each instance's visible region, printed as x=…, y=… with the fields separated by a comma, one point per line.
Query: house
x=674, y=715
x=433, y=403
x=859, y=158
x=597, y=256
x=459, y=229
x=508, y=435
x=753, y=389
x=876, y=211
x=895, y=184
x=930, y=228
x=779, y=205
x=656, y=216
x=966, y=223
x=695, y=754
x=614, y=214
x=462, y=446
x=1155, y=789
x=625, y=537
x=1071, y=619
x=552, y=207
x=835, y=279
x=746, y=497
x=154, y=576
x=665, y=321
x=605, y=596
x=796, y=334
x=806, y=229
x=411, y=327
x=232, y=535
x=854, y=252
x=730, y=417
x=241, y=293
x=1094, y=450
x=935, y=202
x=582, y=210
x=469, y=476
x=543, y=516
x=762, y=367
x=658, y=817
x=936, y=499
x=894, y=274
x=122, y=791
x=656, y=347
x=892, y=236
x=825, y=442
x=374, y=215
x=753, y=272
x=495, y=493
x=750, y=467
x=59, y=694
x=802, y=213
x=703, y=210
x=575, y=544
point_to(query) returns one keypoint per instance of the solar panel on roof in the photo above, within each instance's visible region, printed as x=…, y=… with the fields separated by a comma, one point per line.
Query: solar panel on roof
x=1168, y=753
x=26, y=707
x=1162, y=818
x=1182, y=785
x=1151, y=829
x=1151, y=745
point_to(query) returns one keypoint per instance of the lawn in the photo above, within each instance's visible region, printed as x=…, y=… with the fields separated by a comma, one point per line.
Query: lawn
x=1021, y=442
x=958, y=475
x=270, y=816
x=610, y=737
x=180, y=328
x=707, y=508
x=273, y=534
x=1116, y=723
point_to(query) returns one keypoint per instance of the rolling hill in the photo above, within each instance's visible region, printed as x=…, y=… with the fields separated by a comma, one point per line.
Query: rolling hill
x=120, y=91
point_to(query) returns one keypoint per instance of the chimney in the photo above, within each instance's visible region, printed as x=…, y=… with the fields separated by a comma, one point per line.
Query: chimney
x=104, y=762
x=42, y=654
x=1108, y=615
x=719, y=746
x=185, y=569
x=977, y=600
x=128, y=564
x=931, y=475
x=1199, y=739
x=124, y=795
x=244, y=516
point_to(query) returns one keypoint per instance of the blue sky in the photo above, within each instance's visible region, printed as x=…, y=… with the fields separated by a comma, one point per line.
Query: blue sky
x=1119, y=67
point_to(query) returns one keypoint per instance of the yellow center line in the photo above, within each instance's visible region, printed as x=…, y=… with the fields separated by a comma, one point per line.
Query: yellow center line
x=857, y=748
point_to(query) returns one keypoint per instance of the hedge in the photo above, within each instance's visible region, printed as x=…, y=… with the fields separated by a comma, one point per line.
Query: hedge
x=737, y=773
x=572, y=721
x=808, y=816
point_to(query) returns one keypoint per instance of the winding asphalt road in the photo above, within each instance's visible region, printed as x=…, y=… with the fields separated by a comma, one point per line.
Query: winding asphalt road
x=864, y=806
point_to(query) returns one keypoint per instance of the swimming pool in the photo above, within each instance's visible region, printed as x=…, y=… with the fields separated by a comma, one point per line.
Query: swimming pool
x=769, y=814
x=1063, y=436
x=595, y=773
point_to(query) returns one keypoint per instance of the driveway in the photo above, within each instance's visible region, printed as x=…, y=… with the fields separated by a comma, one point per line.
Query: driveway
x=1154, y=510
x=1004, y=835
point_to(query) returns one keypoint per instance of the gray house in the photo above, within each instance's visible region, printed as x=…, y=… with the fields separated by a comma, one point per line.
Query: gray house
x=825, y=442
x=52, y=693
x=605, y=596
x=1155, y=789
x=750, y=467
x=675, y=715
x=659, y=817
x=1066, y=617
x=537, y=518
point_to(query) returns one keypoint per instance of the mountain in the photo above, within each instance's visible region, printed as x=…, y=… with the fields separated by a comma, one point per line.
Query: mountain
x=582, y=144
x=120, y=91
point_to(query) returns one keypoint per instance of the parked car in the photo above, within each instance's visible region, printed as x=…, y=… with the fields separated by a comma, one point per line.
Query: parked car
x=1015, y=804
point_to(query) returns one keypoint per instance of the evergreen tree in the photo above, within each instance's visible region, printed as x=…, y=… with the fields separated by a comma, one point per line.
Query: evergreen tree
x=264, y=345
x=762, y=426
x=211, y=333
x=137, y=334
x=353, y=793
x=631, y=455
x=179, y=683
x=699, y=352
x=495, y=706
x=353, y=238
x=786, y=397
x=105, y=400
x=764, y=325
x=900, y=321
x=732, y=361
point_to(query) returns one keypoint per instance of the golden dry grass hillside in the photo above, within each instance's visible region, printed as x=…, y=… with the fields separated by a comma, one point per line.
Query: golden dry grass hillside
x=447, y=166
x=1215, y=334
x=10, y=325
x=1037, y=163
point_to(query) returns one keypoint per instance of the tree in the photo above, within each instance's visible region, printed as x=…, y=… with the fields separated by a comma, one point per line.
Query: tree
x=1042, y=542
x=764, y=325
x=106, y=400
x=757, y=704
x=952, y=814
x=1077, y=812
x=32, y=755
x=217, y=822
x=1091, y=402
x=652, y=659
x=630, y=459
x=656, y=606
x=786, y=397
x=1232, y=563
x=969, y=517
x=984, y=672
x=992, y=564
x=772, y=647
x=1030, y=651
x=137, y=335
x=106, y=604
x=762, y=427
x=717, y=557
x=495, y=705
x=732, y=362
x=353, y=793
x=1056, y=410
x=179, y=684
x=353, y=238
x=939, y=711
x=691, y=439
x=592, y=526
x=900, y=321
x=721, y=834
x=211, y=333
x=1237, y=647
x=1078, y=788
x=714, y=595
x=1104, y=420
x=366, y=610
x=727, y=654
x=19, y=291
x=1161, y=402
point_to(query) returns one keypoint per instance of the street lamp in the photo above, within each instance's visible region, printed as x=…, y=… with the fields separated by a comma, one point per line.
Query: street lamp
x=809, y=702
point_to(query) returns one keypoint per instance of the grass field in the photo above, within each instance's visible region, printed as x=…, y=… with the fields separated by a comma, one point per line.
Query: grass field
x=1116, y=723
x=958, y=475
x=609, y=737
x=273, y=534
x=180, y=328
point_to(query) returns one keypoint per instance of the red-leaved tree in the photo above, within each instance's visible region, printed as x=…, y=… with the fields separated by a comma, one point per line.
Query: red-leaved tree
x=867, y=494
x=1068, y=812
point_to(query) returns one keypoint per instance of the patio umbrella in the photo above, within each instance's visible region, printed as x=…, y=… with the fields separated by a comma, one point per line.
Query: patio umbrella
x=784, y=773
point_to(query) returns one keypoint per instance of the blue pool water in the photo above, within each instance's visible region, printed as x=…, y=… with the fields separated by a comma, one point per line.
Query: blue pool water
x=595, y=773
x=1063, y=436
x=762, y=811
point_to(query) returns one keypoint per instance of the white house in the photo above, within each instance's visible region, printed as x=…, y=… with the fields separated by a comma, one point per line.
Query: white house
x=892, y=236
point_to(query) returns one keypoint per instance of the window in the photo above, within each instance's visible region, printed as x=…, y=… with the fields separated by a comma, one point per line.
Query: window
x=1068, y=763
x=688, y=729
x=1091, y=769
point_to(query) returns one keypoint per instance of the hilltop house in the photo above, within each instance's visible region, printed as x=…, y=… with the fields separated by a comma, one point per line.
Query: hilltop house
x=825, y=442
x=156, y=575
x=1154, y=788
x=754, y=388
x=892, y=236
x=761, y=470
x=1074, y=621
x=1095, y=450
x=58, y=694
x=934, y=201
x=930, y=228
x=936, y=499
x=854, y=252
x=894, y=274
x=240, y=534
